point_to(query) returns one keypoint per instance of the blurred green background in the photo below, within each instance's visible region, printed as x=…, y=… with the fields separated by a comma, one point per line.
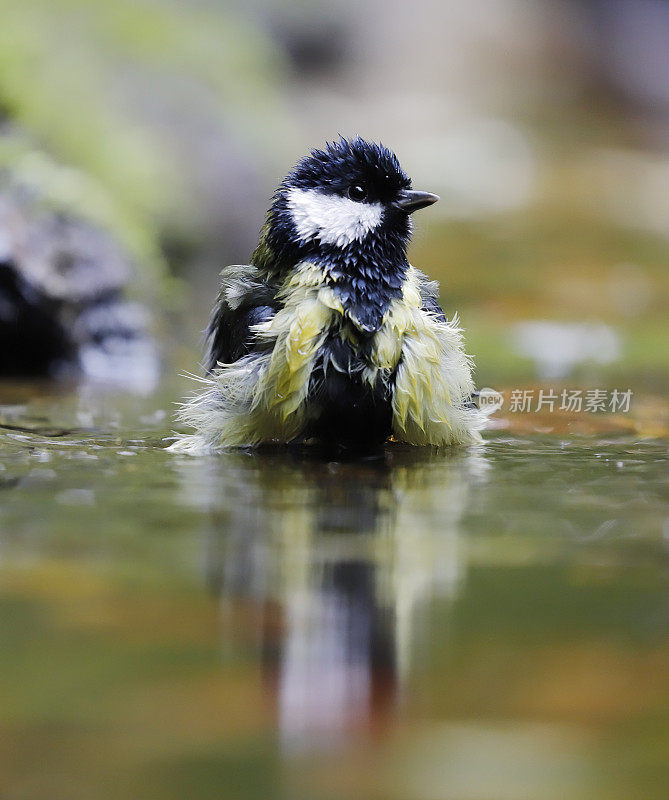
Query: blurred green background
x=543, y=126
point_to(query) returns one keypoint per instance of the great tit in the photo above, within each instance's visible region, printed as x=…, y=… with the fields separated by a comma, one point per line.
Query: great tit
x=330, y=334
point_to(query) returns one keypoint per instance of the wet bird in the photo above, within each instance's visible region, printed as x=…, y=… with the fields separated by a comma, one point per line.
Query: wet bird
x=330, y=334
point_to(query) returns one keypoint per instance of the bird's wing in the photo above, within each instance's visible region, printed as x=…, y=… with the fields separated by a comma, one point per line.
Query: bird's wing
x=245, y=299
x=433, y=381
x=429, y=293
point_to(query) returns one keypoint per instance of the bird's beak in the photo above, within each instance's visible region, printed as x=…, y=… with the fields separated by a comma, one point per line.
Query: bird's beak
x=410, y=200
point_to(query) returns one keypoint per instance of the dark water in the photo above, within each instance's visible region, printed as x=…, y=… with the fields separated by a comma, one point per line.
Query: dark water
x=486, y=624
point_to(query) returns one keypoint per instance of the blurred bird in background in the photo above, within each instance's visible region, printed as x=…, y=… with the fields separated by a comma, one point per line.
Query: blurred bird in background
x=330, y=334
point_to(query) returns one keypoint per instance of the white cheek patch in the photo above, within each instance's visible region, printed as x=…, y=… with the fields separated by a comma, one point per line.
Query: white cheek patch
x=332, y=219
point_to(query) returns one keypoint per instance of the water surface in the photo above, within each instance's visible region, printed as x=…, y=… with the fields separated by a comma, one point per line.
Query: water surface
x=489, y=623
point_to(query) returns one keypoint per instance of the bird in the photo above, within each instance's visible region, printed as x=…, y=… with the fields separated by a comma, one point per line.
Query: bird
x=330, y=335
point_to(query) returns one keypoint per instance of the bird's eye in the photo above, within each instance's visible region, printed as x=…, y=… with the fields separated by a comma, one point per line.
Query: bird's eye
x=357, y=192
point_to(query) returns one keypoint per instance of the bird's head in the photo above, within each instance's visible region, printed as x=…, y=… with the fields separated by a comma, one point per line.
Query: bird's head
x=349, y=198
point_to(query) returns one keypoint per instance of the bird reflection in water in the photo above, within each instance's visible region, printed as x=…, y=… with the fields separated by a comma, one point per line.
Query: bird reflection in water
x=333, y=561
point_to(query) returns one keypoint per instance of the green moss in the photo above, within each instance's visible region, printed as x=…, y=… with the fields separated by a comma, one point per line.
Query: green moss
x=65, y=67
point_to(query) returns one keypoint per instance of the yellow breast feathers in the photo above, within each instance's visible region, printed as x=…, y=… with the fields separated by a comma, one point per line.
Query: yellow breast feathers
x=433, y=381
x=261, y=397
